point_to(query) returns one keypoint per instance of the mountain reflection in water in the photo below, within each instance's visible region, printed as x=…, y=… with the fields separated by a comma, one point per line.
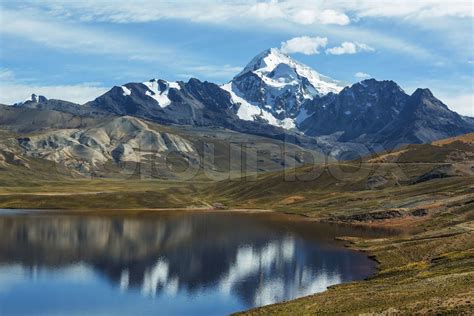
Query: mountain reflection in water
x=189, y=263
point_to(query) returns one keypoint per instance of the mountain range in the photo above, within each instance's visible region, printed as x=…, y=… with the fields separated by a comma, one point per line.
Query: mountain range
x=274, y=97
x=276, y=90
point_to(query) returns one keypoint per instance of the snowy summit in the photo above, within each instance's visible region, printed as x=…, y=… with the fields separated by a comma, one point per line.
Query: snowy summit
x=273, y=86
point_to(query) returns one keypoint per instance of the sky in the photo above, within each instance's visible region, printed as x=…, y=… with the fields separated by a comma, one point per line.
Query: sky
x=77, y=50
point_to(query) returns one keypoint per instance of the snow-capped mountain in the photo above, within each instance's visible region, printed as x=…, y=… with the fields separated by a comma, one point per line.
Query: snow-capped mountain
x=273, y=87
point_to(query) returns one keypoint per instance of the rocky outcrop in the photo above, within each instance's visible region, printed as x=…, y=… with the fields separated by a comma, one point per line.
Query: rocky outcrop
x=379, y=215
x=118, y=140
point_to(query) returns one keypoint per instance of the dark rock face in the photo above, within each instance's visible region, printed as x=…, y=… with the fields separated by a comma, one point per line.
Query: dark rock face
x=419, y=212
x=423, y=119
x=380, y=112
x=373, y=216
x=364, y=108
x=252, y=86
x=379, y=215
x=37, y=99
x=436, y=173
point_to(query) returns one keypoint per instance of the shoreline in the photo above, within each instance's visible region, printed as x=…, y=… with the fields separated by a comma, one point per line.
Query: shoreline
x=131, y=211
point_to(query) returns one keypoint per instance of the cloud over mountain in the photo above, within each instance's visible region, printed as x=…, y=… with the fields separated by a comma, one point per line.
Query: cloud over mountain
x=304, y=45
x=361, y=75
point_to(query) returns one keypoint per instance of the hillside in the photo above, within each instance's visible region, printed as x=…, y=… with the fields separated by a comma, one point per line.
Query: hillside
x=128, y=147
x=305, y=187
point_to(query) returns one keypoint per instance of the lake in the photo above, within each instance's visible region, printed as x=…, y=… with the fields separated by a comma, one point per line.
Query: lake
x=165, y=263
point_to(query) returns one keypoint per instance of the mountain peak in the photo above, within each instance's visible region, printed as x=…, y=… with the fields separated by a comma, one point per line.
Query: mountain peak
x=373, y=84
x=277, y=68
x=422, y=93
x=424, y=98
x=38, y=98
x=267, y=61
x=33, y=100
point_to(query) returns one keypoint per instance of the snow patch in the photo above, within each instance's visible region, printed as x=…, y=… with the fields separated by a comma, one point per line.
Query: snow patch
x=251, y=112
x=287, y=123
x=174, y=85
x=161, y=96
x=126, y=91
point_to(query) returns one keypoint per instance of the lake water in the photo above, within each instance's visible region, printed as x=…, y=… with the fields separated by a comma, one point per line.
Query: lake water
x=167, y=264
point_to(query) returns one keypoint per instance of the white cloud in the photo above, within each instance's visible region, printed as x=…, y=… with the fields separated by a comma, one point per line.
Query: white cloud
x=305, y=16
x=78, y=38
x=215, y=11
x=265, y=10
x=409, y=9
x=304, y=44
x=311, y=16
x=228, y=12
x=362, y=75
x=349, y=48
x=333, y=17
x=6, y=74
x=290, y=16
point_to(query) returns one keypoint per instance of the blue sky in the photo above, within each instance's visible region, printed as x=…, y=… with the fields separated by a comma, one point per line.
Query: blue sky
x=76, y=50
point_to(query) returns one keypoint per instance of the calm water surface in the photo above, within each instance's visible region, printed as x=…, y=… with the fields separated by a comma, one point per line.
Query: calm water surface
x=167, y=264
